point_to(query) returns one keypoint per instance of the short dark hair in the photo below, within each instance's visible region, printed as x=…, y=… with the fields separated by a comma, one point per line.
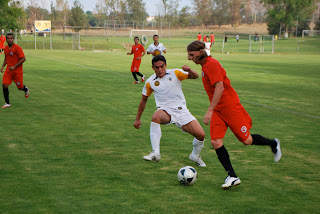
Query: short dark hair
x=136, y=38
x=155, y=35
x=159, y=58
x=9, y=34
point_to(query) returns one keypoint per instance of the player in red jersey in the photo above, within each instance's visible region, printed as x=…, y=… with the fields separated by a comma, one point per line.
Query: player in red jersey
x=14, y=57
x=225, y=111
x=2, y=43
x=212, y=38
x=199, y=36
x=138, y=52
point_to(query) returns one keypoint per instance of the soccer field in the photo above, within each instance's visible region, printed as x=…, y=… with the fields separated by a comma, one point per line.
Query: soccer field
x=71, y=146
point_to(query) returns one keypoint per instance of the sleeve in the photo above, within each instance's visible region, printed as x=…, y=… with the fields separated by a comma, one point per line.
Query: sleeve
x=149, y=48
x=142, y=49
x=147, y=90
x=163, y=48
x=215, y=73
x=181, y=75
x=20, y=53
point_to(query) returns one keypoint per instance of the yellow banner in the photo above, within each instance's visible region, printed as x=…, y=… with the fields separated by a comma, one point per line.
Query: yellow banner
x=42, y=25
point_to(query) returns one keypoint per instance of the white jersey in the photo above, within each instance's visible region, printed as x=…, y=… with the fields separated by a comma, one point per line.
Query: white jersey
x=167, y=90
x=207, y=47
x=159, y=47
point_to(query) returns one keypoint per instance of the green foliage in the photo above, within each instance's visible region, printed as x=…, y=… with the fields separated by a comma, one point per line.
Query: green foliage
x=286, y=13
x=11, y=13
x=76, y=15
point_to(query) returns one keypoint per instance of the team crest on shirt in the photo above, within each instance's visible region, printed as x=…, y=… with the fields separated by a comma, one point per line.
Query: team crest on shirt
x=136, y=49
x=11, y=53
x=202, y=74
x=243, y=129
x=170, y=79
x=156, y=83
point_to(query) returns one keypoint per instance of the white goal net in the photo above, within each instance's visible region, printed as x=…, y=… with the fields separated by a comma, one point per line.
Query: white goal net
x=310, y=33
x=261, y=43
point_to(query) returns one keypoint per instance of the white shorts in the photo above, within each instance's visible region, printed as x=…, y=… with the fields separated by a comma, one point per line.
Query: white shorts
x=179, y=117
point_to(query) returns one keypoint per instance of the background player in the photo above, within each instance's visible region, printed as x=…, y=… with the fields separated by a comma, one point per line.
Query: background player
x=212, y=38
x=138, y=52
x=207, y=46
x=14, y=57
x=2, y=43
x=171, y=107
x=199, y=36
x=156, y=48
x=225, y=111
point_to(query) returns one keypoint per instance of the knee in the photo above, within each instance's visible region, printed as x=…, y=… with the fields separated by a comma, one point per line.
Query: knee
x=5, y=85
x=248, y=141
x=156, y=119
x=216, y=143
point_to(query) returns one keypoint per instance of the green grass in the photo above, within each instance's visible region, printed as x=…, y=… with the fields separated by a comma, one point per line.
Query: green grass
x=71, y=147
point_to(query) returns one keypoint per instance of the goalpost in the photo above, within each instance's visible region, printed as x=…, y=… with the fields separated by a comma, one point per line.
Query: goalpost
x=137, y=32
x=261, y=44
x=310, y=33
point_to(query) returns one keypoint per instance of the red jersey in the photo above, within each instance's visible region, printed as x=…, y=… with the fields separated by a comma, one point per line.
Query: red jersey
x=213, y=72
x=137, y=50
x=212, y=38
x=13, y=55
x=2, y=42
x=199, y=37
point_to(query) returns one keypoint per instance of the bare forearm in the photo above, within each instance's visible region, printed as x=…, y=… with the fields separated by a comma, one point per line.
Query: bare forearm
x=216, y=96
x=193, y=74
x=4, y=62
x=22, y=60
x=141, y=108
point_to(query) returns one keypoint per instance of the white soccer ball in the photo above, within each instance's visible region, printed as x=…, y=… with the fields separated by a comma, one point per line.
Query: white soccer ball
x=187, y=175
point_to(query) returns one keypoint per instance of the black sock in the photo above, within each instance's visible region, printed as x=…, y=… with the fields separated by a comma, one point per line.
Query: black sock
x=262, y=141
x=6, y=95
x=224, y=159
x=25, y=89
x=134, y=76
x=139, y=74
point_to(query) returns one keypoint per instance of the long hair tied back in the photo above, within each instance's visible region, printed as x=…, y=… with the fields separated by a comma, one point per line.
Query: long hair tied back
x=198, y=46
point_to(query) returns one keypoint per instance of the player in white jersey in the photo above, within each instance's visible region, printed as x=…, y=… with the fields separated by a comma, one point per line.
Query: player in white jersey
x=156, y=48
x=171, y=107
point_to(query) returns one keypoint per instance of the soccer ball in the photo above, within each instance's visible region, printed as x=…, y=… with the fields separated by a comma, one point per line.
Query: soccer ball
x=187, y=175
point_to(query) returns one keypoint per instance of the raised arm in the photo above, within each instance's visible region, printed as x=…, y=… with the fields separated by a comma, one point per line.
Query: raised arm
x=192, y=73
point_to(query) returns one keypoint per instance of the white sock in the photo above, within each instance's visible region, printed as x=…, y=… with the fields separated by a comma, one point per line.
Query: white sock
x=197, y=146
x=155, y=136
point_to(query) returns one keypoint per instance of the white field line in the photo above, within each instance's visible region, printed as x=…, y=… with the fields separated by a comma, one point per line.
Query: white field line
x=252, y=103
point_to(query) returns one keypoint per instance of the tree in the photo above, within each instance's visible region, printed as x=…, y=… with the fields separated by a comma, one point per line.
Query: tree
x=203, y=10
x=136, y=10
x=220, y=14
x=77, y=16
x=173, y=13
x=184, y=16
x=235, y=6
x=11, y=12
x=285, y=13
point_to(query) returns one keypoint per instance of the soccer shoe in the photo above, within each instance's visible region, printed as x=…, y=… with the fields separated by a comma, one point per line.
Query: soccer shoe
x=142, y=78
x=197, y=160
x=230, y=182
x=135, y=82
x=152, y=157
x=278, y=154
x=26, y=93
x=6, y=105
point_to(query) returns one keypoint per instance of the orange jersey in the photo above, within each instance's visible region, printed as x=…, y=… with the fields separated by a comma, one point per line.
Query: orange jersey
x=212, y=38
x=137, y=50
x=2, y=42
x=204, y=38
x=13, y=55
x=199, y=37
x=213, y=72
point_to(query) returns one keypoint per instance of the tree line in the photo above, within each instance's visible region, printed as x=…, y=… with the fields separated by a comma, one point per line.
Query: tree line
x=285, y=15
